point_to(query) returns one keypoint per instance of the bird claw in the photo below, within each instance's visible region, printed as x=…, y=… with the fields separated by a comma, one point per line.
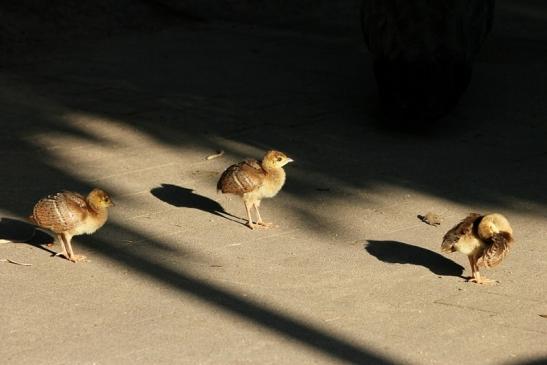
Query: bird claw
x=482, y=281
x=73, y=258
x=260, y=224
x=265, y=225
x=78, y=258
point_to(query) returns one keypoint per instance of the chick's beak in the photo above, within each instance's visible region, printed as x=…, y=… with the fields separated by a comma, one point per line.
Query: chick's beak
x=289, y=160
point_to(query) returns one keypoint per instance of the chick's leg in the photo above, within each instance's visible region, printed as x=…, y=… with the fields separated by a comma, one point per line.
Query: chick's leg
x=63, y=247
x=480, y=280
x=476, y=274
x=71, y=256
x=248, y=206
x=259, y=221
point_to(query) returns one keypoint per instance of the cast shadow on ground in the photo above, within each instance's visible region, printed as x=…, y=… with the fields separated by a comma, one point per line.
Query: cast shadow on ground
x=303, y=332
x=16, y=231
x=278, y=322
x=395, y=252
x=183, y=197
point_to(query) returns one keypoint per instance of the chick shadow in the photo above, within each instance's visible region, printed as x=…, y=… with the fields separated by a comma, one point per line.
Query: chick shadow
x=17, y=231
x=395, y=252
x=539, y=361
x=187, y=198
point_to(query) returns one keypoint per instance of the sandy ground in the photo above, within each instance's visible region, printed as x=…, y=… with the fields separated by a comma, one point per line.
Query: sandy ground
x=349, y=275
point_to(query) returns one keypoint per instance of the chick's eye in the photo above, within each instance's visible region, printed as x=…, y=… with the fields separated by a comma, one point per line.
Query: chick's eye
x=279, y=158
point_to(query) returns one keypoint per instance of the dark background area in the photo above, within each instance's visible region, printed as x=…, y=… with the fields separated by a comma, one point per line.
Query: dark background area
x=510, y=154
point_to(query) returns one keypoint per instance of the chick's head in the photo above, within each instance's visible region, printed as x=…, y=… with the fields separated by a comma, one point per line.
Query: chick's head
x=275, y=159
x=100, y=198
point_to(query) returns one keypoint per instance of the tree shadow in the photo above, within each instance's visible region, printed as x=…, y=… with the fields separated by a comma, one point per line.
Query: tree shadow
x=17, y=231
x=260, y=314
x=395, y=252
x=183, y=197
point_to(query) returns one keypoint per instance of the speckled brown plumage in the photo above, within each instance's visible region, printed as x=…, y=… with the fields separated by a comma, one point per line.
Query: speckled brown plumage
x=496, y=250
x=463, y=229
x=255, y=180
x=486, y=240
x=60, y=212
x=241, y=178
x=68, y=214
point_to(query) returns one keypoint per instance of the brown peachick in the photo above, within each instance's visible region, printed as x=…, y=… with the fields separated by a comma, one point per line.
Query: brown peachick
x=69, y=214
x=255, y=180
x=484, y=239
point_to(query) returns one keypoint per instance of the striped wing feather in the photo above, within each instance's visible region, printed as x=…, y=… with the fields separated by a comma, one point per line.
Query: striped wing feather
x=60, y=212
x=497, y=249
x=241, y=178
